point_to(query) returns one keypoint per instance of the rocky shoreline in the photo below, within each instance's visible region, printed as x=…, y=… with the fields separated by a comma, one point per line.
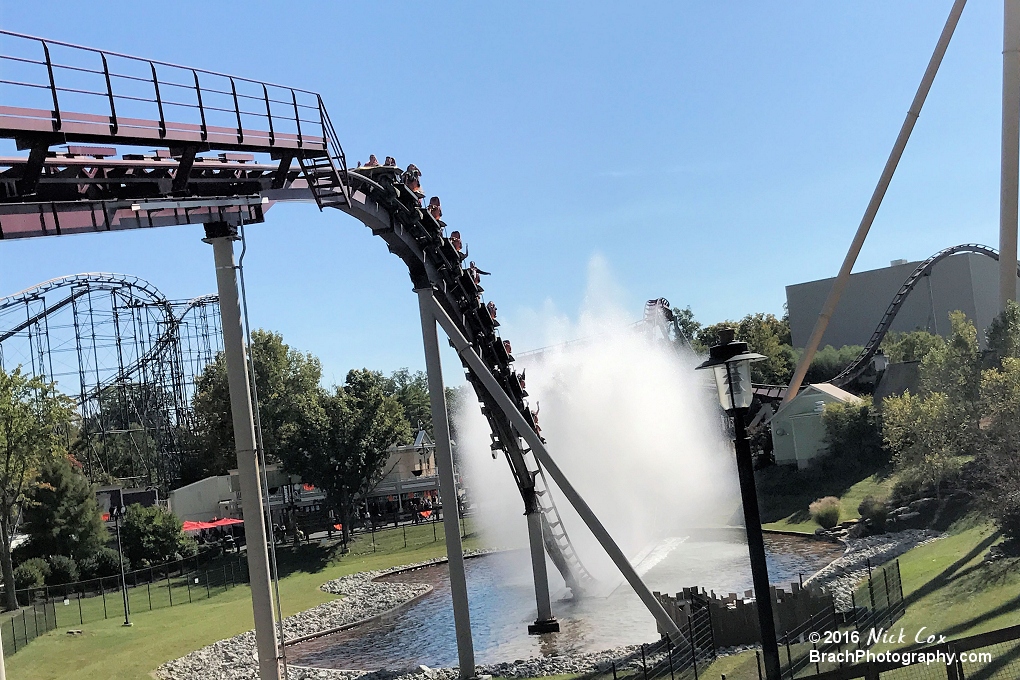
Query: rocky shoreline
x=843, y=574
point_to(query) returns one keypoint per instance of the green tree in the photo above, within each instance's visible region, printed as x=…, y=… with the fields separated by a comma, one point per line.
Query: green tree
x=764, y=334
x=151, y=535
x=61, y=517
x=1003, y=334
x=412, y=391
x=954, y=367
x=910, y=346
x=920, y=432
x=346, y=439
x=287, y=381
x=931, y=433
x=997, y=465
x=32, y=414
x=687, y=327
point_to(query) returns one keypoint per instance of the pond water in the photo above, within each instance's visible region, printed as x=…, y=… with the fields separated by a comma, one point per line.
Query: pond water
x=502, y=603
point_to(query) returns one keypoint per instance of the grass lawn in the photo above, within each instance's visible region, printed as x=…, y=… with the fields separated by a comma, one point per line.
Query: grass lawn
x=878, y=485
x=107, y=650
x=949, y=589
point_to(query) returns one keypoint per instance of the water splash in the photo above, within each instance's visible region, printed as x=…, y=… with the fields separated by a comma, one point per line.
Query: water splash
x=627, y=419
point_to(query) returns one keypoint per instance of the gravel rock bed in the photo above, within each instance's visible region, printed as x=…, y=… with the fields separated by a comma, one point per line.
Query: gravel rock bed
x=843, y=574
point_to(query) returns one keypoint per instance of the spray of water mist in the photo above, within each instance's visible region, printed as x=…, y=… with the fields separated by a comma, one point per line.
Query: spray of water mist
x=627, y=419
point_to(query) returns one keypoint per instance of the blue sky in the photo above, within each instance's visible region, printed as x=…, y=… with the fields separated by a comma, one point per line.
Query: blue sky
x=708, y=152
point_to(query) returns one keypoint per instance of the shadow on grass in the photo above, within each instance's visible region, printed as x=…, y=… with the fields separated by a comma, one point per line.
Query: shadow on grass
x=946, y=575
x=1010, y=605
x=308, y=559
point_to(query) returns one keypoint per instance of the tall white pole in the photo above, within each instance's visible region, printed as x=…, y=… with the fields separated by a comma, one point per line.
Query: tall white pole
x=843, y=277
x=3, y=667
x=447, y=486
x=1010, y=170
x=222, y=237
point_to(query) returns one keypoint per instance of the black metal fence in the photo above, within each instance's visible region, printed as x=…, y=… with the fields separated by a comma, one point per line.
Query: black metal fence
x=27, y=624
x=167, y=585
x=809, y=649
x=406, y=530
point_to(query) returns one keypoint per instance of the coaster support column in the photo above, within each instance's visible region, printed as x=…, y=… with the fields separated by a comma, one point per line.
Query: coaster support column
x=1009, y=182
x=546, y=622
x=222, y=236
x=447, y=485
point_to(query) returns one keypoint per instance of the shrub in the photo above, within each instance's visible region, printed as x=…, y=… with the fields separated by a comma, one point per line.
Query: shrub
x=825, y=511
x=28, y=575
x=1007, y=516
x=62, y=570
x=104, y=562
x=875, y=511
x=853, y=433
x=40, y=564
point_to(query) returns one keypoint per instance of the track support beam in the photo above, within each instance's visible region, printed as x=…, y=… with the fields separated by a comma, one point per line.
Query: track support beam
x=843, y=277
x=1009, y=183
x=545, y=622
x=481, y=371
x=222, y=237
x=447, y=484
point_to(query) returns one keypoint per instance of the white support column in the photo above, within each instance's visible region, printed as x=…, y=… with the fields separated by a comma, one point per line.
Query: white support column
x=545, y=622
x=538, y=448
x=447, y=486
x=843, y=277
x=222, y=237
x=3, y=668
x=1010, y=169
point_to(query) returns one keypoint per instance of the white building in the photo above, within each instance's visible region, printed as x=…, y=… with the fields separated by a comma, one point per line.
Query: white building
x=798, y=434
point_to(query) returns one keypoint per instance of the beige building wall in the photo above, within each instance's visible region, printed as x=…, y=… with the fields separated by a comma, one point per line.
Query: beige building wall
x=967, y=282
x=200, y=501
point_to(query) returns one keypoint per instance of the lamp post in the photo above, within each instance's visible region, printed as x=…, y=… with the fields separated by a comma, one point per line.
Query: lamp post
x=731, y=364
x=118, y=511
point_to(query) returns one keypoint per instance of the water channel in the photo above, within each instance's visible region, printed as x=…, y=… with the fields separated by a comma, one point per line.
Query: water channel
x=502, y=604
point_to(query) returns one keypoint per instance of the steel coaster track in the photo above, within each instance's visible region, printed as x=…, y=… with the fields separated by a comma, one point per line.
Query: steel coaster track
x=858, y=365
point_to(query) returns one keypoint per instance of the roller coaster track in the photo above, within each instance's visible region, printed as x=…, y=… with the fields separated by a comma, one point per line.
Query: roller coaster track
x=79, y=285
x=163, y=343
x=391, y=210
x=89, y=189
x=97, y=280
x=858, y=365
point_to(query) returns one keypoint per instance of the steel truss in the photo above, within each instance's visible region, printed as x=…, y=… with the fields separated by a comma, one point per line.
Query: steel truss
x=128, y=356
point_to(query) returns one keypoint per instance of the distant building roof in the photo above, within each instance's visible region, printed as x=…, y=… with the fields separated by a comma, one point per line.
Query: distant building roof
x=835, y=392
x=825, y=388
